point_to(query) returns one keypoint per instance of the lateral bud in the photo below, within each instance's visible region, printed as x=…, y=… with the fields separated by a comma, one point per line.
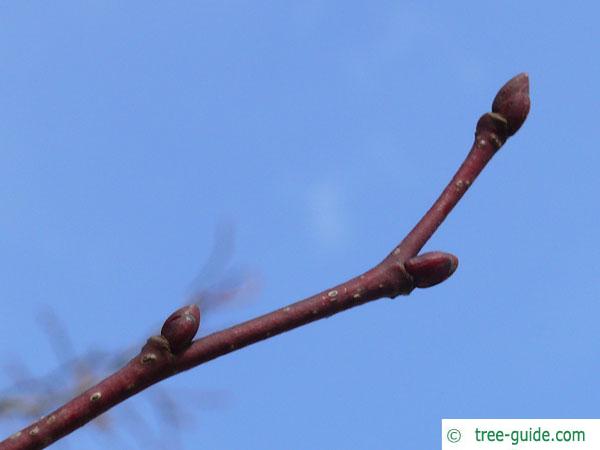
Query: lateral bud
x=180, y=327
x=431, y=268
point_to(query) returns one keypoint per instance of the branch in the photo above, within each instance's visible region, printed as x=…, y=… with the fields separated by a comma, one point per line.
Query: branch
x=398, y=274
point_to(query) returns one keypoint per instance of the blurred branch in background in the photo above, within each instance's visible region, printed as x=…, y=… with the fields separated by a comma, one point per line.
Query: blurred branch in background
x=219, y=285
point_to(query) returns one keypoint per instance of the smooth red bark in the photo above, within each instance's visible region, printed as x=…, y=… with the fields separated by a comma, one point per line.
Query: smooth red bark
x=398, y=274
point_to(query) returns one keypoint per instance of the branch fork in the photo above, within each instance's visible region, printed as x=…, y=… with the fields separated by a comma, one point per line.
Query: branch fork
x=402, y=271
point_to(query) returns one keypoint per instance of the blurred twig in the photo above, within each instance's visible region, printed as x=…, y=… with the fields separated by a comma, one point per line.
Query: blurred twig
x=217, y=286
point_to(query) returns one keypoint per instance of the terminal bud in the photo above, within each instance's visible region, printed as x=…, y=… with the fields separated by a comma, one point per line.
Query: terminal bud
x=512, y=102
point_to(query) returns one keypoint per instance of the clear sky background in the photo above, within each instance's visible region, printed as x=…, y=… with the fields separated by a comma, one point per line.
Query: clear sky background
x=318, y=132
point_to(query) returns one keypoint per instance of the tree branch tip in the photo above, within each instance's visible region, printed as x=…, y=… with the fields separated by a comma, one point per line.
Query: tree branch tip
x=513, y=103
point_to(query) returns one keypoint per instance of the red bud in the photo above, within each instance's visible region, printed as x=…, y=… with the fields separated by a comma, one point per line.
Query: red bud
x=180, y=327
x=431, y=268
x=512, y=102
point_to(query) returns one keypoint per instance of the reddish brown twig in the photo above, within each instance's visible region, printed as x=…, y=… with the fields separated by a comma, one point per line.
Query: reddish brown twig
x=399, y=273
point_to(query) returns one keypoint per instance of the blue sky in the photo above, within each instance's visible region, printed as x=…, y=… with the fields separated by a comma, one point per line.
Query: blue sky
x=318, y=132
